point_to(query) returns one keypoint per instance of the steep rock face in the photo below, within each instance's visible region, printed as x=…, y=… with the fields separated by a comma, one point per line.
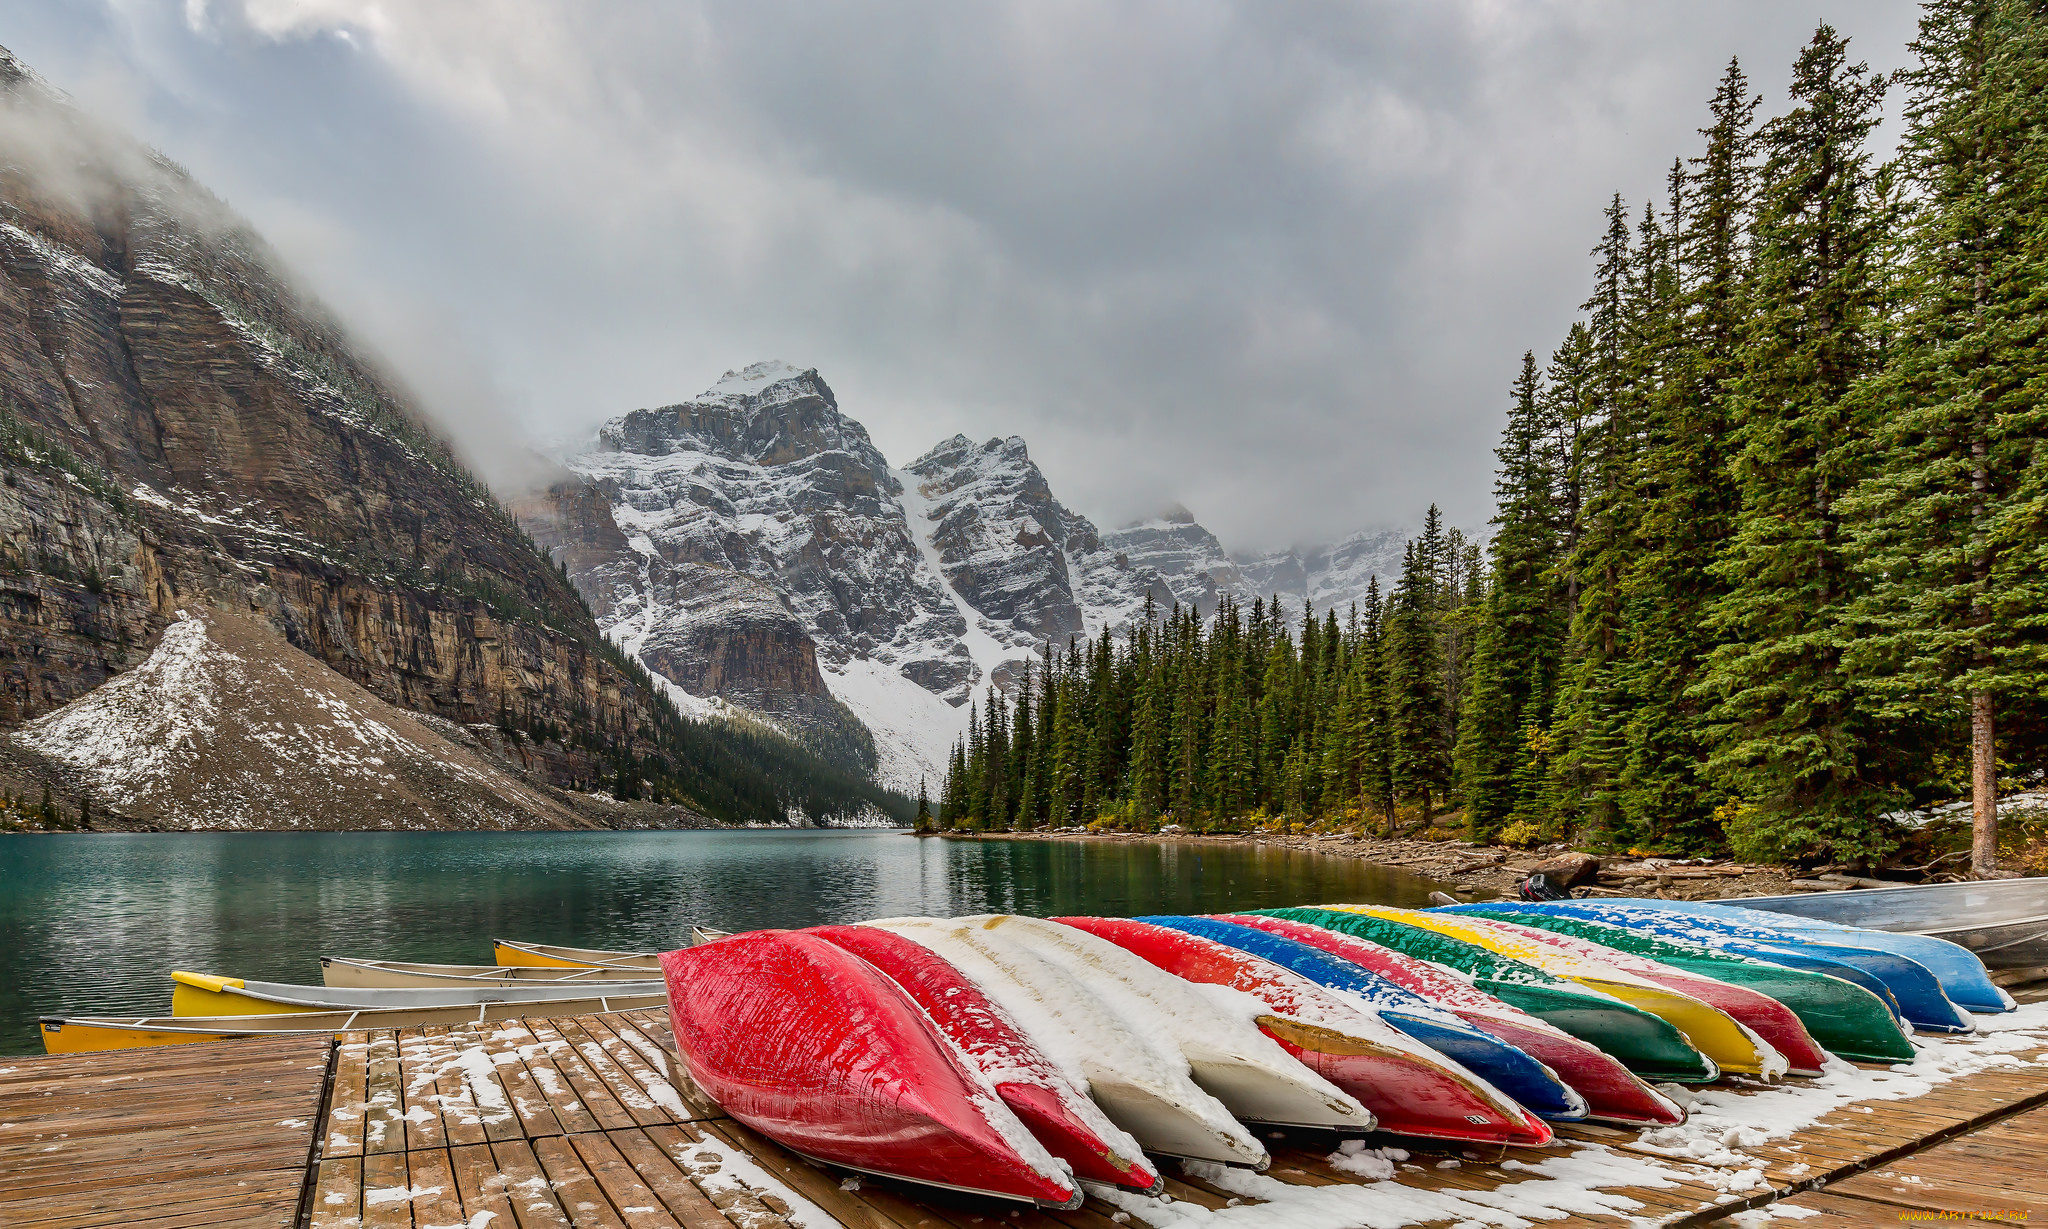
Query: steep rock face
x=1332, y=576
x=766, y=551
x=1188, y=557
x=182, y=427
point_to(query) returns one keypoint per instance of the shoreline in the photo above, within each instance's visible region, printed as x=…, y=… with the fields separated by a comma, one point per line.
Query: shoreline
x=1479, y=872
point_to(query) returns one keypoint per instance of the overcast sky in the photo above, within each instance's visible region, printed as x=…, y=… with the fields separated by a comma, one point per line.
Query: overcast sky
x=1275, y=261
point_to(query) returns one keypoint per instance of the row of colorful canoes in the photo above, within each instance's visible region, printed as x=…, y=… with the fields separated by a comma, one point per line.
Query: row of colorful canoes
x=1015, y=1056
x=895, y=1046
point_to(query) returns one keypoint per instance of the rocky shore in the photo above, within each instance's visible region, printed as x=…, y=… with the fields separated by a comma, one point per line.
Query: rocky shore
x=1486, y=872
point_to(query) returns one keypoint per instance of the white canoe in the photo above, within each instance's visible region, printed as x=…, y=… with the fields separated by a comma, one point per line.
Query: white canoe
x=1243, y=1067
x=199, y=994
x=1144, y=1087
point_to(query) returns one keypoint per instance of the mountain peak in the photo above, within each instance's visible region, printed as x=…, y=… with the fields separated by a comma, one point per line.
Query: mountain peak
x=751, y=379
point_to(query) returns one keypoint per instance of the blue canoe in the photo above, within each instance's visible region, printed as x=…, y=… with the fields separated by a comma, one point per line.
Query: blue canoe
x=1961, y=974
x=1510, y=1070
x=1916, y=990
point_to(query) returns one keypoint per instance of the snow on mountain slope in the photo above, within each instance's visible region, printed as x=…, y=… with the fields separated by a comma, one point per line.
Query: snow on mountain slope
x=228, y=726
x=1330, y=576
x=761, y=555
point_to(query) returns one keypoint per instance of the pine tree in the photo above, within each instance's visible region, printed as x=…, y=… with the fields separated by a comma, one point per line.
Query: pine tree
x=1418, y=761
x=1790, y=737
x=923, y=823
x=1948, y=528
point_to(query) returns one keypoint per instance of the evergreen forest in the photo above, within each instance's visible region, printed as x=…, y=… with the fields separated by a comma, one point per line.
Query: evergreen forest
x=1769, y=560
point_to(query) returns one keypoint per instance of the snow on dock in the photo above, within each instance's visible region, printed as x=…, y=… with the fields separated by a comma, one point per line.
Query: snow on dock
x=592, y=1121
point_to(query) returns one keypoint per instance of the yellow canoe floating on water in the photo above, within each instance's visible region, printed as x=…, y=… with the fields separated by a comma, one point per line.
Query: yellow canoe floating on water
x=1714, y=1033
x=344, y=973
x=201, y=994
x=84, y=1034
x=550, y=956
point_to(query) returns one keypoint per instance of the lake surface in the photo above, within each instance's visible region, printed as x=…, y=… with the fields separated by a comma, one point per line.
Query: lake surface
x=93, y=923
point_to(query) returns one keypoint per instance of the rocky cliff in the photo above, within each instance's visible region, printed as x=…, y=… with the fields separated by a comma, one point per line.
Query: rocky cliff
x=180, y=428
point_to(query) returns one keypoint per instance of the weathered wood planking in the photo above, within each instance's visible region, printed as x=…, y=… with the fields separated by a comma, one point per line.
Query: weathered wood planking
x=592, y=1121
x=208, y=1135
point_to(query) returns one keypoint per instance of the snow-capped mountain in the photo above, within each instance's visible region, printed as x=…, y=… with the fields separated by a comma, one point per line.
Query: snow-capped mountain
x=753, y=548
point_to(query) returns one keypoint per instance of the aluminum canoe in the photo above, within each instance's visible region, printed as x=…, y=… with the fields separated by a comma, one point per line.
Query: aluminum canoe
x=554, y=956
x=344, y=973
x=2003, y=921
x=201, y=994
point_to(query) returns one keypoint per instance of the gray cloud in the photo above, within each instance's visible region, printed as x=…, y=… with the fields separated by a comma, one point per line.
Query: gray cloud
x=1275, y=261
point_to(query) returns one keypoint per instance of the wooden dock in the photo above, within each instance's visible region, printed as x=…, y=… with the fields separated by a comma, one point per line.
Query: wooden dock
x=591, y=1122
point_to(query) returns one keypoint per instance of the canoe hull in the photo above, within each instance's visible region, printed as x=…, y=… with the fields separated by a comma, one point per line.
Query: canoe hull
x=1611, y=1093
x=342, y=973
x=2003, y=921
x=815, y=1048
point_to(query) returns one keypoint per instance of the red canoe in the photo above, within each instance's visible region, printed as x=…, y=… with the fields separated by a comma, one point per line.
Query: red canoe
x=820, y=1051
x=1059, y=1113
x=1612, y=1092
x=1409, y=1089
x=1759, y=1013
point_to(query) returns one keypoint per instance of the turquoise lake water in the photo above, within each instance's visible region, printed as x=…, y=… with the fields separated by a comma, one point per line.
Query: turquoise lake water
x=93, y=923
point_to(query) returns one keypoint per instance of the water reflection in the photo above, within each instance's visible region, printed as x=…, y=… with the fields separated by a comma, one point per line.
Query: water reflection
x=94, y=922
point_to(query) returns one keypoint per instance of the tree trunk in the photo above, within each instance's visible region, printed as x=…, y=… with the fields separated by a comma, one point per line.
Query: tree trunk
x=1983, y=788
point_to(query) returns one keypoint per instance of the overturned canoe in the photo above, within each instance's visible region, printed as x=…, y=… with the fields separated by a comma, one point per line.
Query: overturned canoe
x=1841, y=1016
x=1052, y=1105
x=1611, y=1092
x=201, y=994
x=79, y=1034
x=1412, y=1089
x=552, y=956
x=1273, y=968
x=2003, y=922
x=1963, y=977
x=1143, y=1083
x=1711, y=1031
x=1917, y=992
x=1776, y=1024
x=810, y=1045
x=1646, y=1044
x=344, y=973
x=1244, y=1067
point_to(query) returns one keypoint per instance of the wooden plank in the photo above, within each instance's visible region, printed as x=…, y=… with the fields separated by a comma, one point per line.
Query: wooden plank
x=564, y=1098
x=510, y=1040
x=461, y=1120
x=438, y=1205
x=636, y=1202
x=652, y=1064
x=420, y=1087
x=346, y=1105
x=799, y=1175
x=581, y=1196
x=655, y=1167
x=614, y=1096
x=384, y=1096
x=481, y=1184
x=527, y=1188
x=484, y=1084
x=338, y=1194
x=387, y=1190
x=594, y=1095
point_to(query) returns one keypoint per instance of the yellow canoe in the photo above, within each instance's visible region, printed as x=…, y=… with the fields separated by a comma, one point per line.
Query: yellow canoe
x=551, y=956
x=201, y=994
x=1711, y=1031
x=83, y=1034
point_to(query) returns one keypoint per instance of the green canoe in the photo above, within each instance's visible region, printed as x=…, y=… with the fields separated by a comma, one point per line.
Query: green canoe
x=1845, y=1018
x=1643, y=1043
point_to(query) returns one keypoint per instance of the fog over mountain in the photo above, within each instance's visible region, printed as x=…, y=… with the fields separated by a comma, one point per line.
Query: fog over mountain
x=1275, y=263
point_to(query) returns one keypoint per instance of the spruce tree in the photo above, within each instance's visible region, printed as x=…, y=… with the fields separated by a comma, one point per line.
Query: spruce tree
x=1790, y=738
x=1948, y=529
